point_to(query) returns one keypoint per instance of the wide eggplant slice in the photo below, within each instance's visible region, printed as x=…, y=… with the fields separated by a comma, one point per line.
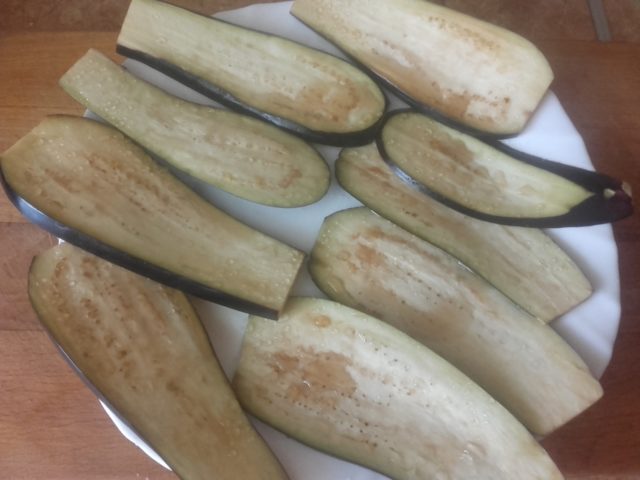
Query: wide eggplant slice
x=88, y=184
x=453, y=66
x=310, y=93
x=523, y=263
x=142, y=348
x=239, y=154
x=366, y=262
x=495, y=183
x=353, y=386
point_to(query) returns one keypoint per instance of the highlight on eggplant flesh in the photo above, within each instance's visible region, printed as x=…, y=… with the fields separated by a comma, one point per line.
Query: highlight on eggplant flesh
x=467, y=72
x=496, y=183
x=353, y=386
x=310, y=93
x=88, y=184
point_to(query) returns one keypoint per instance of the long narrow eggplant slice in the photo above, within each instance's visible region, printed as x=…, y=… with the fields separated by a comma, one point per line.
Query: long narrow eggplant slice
x=239, y=154
x=451, y=65
x=310, y=93
x=496, y=183
x=523, y=263
x=88, y=184
x=142, y=348
x=355, y=387
x=366, y=262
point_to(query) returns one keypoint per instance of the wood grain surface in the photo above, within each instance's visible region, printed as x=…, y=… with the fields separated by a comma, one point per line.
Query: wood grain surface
x=51, y=427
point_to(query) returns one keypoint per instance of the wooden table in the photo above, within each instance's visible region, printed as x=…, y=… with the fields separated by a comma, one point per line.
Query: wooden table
x=51, y=427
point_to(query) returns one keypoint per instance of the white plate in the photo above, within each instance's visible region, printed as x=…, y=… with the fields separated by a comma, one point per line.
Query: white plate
x=590, y=328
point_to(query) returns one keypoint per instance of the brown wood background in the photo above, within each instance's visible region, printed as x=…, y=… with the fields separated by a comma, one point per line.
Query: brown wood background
x=51, y=427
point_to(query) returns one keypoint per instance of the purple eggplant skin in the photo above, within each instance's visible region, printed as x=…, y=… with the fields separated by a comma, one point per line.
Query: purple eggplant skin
x=118, y=257
x=208, y=89
x=611, y=200
x=415, y=105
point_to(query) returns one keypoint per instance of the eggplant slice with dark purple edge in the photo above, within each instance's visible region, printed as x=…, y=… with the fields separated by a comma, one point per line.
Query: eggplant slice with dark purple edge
x=236, y=153
x=466, y=72
x=496, y=183
x=312, y=94
x=88, y=184
x=142, y=350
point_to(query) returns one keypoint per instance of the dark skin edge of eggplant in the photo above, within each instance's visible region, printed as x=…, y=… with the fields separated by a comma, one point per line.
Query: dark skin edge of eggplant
x=123, y=259
x=415, y=105
x=208, y=89
x=597, y=209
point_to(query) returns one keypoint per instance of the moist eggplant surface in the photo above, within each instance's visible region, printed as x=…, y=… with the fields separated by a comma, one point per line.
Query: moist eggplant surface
x=351, y=385
x=308, y=92
x=239, y=154
x=476, y=74
x=142, y=348
x=524, y=263
x=364, y=261
x=88, y=178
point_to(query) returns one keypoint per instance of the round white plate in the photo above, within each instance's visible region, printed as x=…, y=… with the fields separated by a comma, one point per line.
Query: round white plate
x=590, y=328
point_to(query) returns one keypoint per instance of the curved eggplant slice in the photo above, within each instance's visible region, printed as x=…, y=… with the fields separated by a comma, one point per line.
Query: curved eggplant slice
x=312, y=94
x=239, y=154
x=142, y=349
x=523, y=263
x=477, y=75
x=495, y=183
x=90, y=185
x=366, y=262
x=355, y=387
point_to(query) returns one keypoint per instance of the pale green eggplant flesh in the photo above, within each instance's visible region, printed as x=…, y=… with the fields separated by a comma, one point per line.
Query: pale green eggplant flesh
x=524, y=263
x=362, y=260
x=310, y=93
x=472, y=174
x=143, y=350
x=477, y=75
x=239, y=154
x=87, y=183
x=351, y=385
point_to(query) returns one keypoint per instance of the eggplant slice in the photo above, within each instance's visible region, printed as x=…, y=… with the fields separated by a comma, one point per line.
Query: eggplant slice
x=366, y=262
x=495, y=183
x=355, y=387
x=308, y=92
x=477, y=75
x=88, y=184
x=241, y=155
x=523, y=263
x=141, y=347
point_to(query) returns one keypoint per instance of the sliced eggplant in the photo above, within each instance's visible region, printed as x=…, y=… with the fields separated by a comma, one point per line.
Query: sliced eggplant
x=495, y=183
x=453, y=66
x=142, y=348
x=523, y=263
x=239, y=154
x=88, y=184
x=310, y=93
x=366, y=262
x=353, y=386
